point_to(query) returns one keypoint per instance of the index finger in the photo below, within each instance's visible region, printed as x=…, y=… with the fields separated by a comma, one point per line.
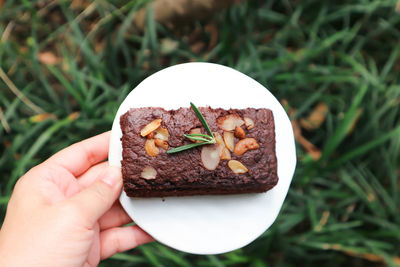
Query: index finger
x=80, y=156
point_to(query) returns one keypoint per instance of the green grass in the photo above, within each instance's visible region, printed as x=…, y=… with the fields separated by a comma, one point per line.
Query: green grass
x=342, y=210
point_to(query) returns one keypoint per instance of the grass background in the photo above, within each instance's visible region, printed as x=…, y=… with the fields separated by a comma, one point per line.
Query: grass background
x=342, y=209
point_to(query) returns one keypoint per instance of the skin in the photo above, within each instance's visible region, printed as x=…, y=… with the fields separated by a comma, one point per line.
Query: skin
x=65, y=212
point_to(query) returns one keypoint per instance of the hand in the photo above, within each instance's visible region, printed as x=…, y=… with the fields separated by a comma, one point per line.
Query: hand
x=64, y=212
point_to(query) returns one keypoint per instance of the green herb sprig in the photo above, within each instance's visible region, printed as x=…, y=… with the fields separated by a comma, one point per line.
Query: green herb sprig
x=206, y=139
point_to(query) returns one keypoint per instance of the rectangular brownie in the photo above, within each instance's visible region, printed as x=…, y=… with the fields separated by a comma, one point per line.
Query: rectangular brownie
x=242, y=161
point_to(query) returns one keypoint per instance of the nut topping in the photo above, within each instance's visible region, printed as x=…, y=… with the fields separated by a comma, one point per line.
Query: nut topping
x=237, y=166
x=239, y=132
x=229, y=140
x=161, y=143
x=150, y=135
x=249, y=123
x=150, y=148
x=195, y=131
x=210, y=156
x=218, y=139
x=229, y=122
x=150, y=127
x=148, y=173
x=225, y=154
x=245, y=144
x=161, y=133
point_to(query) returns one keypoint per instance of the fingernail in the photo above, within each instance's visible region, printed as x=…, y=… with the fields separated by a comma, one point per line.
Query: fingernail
x=112, y=176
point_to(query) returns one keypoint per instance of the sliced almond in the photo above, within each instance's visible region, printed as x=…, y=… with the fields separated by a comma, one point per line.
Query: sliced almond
x=245, y=144
x=150, y=148
x=218, y=138
x=239, y=132
x=150, y=127
x=249, y=123
x=229, y=140
x=161, y=133
x=237, y=166
x=195, y=131
x=226, y=154
x=161, y=143
x=210, y=156
x=148, y=173
x=229, y=122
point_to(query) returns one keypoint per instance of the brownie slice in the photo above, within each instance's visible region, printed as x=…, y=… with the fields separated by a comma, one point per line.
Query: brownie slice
x=183, y=173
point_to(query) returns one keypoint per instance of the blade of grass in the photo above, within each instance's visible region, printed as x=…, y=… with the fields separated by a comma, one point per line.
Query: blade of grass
x=18, y=93
x=40, y=142
x=128, y=258
x=4, y=200
x=150, y=255
x=361, y=150
x=344, y=125
x=173, y=256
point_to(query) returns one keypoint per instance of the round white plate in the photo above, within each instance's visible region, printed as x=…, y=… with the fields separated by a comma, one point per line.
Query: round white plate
x=207, y=224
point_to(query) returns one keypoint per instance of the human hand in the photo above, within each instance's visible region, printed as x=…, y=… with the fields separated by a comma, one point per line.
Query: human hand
x=64, y=212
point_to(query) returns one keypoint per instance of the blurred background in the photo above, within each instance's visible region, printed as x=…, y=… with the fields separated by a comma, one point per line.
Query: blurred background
x=65, y=66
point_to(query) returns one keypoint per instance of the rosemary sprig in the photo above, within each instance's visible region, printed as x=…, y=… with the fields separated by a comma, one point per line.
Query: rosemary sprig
x=198, y=137
x=185, y=147
x=202, y=120
x=204, y=138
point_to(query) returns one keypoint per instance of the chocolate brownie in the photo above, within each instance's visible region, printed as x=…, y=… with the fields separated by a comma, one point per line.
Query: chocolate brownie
x=148, y=171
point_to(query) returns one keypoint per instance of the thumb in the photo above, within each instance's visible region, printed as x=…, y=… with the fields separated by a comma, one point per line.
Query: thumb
x=95, y=200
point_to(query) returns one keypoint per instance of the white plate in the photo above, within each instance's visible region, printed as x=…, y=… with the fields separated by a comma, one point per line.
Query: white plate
x=207, y=224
